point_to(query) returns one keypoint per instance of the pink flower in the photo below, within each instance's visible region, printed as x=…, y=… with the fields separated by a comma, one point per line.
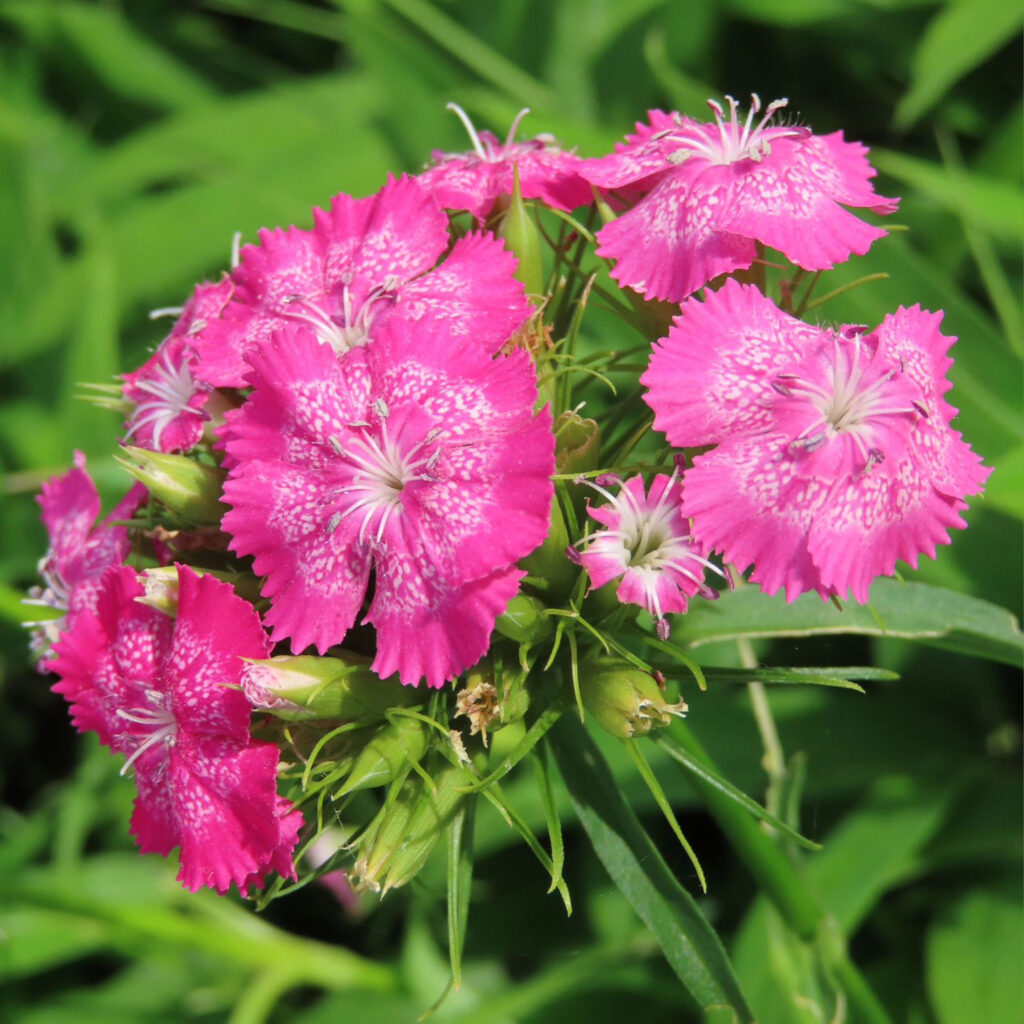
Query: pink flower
x=835, y=456
x=646, y=545
x=474, y=181
x=418, y=458
x=169, y=401
x=713, y=190
x=80, y=550
x=365, y=261
x=164, y=692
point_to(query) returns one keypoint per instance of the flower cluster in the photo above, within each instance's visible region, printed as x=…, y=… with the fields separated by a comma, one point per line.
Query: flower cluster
x=352, y=441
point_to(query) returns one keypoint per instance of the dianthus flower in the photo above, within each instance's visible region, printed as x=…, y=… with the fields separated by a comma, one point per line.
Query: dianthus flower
x=645, y=543
x=80, y=550
x=835, y=456
x=364, y=261
x=714, y=190
x=473, y=181
x=418, y=458
x=164, y=692
x=168, y=399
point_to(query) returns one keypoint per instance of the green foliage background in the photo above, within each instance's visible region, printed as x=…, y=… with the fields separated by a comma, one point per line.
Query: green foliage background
x=136, y=137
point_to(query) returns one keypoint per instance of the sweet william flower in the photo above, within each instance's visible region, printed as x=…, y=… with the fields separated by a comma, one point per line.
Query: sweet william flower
x=835, y=455
x=714, y=190
x=80, y=550
x=168, y=400
x=165, y=693
x=645, y=544
x=417, y=458
x=364, y=262
x=476, y=180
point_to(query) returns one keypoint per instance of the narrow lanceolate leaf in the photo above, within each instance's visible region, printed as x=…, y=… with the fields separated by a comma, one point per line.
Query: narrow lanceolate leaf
x=712, y=778
x=910, y=611
x=632, y=860
x=554, y=823
x=460, y=876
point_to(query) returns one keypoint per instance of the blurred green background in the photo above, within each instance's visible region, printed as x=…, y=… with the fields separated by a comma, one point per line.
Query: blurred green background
x=137, y=137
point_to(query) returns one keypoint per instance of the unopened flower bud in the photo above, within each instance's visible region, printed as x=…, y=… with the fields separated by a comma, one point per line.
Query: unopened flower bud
x=308, y=686
x=524, y=620
x=161, y=585
x=626, y=701
x=577, y=443
x=190, y=488
x=396, y=744
x=401, y=838
x=522, y=237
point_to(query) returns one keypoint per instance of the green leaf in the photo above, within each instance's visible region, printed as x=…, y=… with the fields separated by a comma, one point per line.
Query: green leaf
x=126, y=60
x=636, y=866
x=973, y=960
x=996, y=207
x=962, y=35
x=460, y=877
x=911, y=611
x=713, y=778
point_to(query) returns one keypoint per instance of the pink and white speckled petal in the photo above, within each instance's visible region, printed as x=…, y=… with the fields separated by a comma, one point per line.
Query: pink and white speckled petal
x=656, y=590
x=227, y=812
x=749, y=503
x=872, y=521
x=427, y=630
x=642, y=156
x=398, y=232
x=709, y=379
x=670, y=243
x=782, y=203
x=215, y=630
x=70, y=504
x=843, y=170
x=473, y=292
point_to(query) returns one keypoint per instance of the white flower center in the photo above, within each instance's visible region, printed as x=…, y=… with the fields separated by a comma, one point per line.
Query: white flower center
x=735, y=141
x=154, y=716
x=845, y=405
x=382, y=471
x=482, y=144
x=350, y=328
x=172, y=388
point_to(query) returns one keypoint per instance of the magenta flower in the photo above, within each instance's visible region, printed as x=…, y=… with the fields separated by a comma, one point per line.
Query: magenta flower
x=418, y=458
x=365, y=261
x=80, y=550
x=168, y=400
x=835, y=456
x=164, y=692
x=474, y=181
x=646, y=545
x=714, y=190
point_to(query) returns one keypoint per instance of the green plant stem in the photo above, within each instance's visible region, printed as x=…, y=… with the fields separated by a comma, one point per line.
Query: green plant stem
x=774, y=759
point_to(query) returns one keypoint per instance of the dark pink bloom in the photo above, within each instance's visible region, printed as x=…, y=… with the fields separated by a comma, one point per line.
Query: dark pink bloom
x=714, y=190
x=80, y=550
x=645, y=543
x=473, y=181
x=164, y=692
x=169, y=401
x=418, y=458
x=835, y=456
x=364, y=262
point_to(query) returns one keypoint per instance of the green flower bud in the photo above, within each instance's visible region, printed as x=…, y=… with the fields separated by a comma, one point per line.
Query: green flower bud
x=625, y=700
x=161, y=586
x=403, y=835
x=308, y=686
x=191, y=489
x=550, y=562
x=521, y=236
x=382, y=759
x=577, y=443
x=524, y=620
